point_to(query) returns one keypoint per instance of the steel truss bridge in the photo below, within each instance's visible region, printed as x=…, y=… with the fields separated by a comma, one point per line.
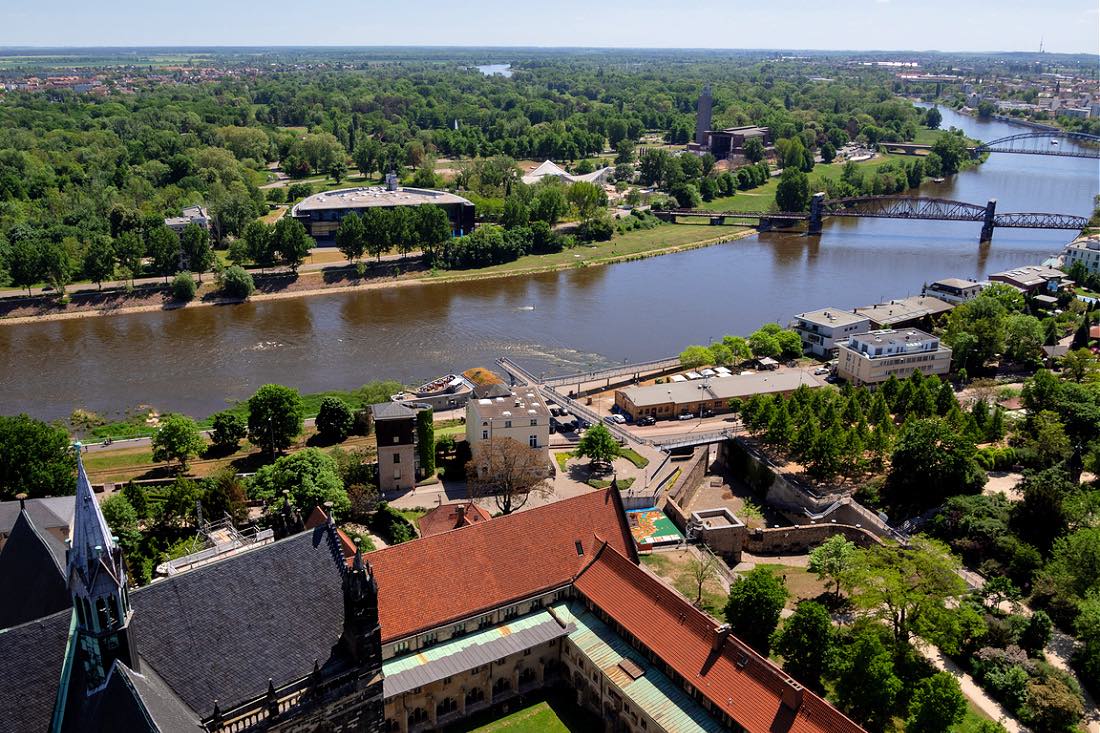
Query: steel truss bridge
x=1056, y=143
x=915, y=208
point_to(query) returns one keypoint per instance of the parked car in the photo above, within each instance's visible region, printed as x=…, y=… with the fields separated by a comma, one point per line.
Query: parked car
x=822, y=370
x=646, y=420
x=610, y=419
x=686, y=416
x=618, y=419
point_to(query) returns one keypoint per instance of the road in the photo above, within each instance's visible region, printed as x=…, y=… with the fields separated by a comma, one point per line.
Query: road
x=307, y=266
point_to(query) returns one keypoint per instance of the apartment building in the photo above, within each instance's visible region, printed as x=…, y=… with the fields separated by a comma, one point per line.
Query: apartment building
x=1085, y=251
x=873, y=357
x=822, y=330
x=954, y=290
x=496, y=412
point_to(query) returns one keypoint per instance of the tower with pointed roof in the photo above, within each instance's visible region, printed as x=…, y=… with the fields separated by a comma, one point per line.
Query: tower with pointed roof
x=362, y=635
x=97, y=583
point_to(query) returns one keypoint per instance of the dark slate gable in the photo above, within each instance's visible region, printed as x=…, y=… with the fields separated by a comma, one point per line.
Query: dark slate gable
x=32, y=575
x=31, y=657
x=219, y=632
x=135, y=703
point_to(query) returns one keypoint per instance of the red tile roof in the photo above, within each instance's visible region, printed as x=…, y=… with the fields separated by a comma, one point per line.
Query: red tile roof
x=446, y=517
x=445, y=577
x=668, y=625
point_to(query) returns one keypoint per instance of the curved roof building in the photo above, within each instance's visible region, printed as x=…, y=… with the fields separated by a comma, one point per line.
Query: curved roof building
x=321, y=213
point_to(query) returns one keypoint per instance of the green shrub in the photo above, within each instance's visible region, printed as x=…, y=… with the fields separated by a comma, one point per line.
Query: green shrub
x=393, y=528
x=184, y=287
x=235, y=282
x=229, y=430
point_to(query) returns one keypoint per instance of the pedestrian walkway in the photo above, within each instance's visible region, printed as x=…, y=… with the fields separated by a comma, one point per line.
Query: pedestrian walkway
x=970, y=688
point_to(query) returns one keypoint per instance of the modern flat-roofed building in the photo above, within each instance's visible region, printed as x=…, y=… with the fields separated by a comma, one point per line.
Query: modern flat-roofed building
x=1085, y=251
x=822, y=330
x=321, y=213
x=672, y=399
x=919, y=310
x=1031, y=278
x=496, y=412
x=191, y=215
x=874, y=357
x=954, y=290
x=730, y=142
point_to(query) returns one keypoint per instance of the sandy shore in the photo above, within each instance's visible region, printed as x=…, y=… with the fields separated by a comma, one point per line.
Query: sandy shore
x=372, y=284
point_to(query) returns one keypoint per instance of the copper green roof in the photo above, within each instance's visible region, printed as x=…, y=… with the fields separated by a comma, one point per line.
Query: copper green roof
x=652, y=692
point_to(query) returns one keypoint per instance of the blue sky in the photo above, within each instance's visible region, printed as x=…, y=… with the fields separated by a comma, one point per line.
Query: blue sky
x=949, y=25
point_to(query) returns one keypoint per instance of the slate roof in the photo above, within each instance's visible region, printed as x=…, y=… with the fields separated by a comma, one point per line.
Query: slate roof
x=441, y=578
x=664, y=622
x=32, y=654
x=32, y=574
x=220, y=631
x=48, y=513
x=134, y=703
x=393, y=411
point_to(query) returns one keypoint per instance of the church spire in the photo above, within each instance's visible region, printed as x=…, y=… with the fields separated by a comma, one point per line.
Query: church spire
x=97, y=583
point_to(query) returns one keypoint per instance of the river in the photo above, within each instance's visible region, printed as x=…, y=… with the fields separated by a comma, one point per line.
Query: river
x=196, y=360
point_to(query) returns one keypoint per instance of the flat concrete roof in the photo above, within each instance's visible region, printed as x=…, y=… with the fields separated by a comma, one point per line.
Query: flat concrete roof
x=361, y=198
x=719, y=388
x=522, y=403
x=831, y=317
x=904, y=309
x=957, y=282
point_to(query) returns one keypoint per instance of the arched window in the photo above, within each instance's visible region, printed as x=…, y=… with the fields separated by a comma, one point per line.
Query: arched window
x=446, y=705
x=475, y=695
x=417, y=716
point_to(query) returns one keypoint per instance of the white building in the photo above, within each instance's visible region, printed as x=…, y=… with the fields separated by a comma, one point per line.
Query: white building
x=823, y=330
x=954, y=290
x=191, y=215
x=553, y=170
x=874, y=357
x=496, y=412
x=1085, y=251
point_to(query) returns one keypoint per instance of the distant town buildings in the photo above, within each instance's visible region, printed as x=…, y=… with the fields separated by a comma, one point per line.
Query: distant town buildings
x=873, y=357
x=191, y=215
x=321, y=213
x=822, y=330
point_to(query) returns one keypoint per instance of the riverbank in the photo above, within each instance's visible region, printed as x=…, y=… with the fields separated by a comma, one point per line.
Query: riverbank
x=636, y=245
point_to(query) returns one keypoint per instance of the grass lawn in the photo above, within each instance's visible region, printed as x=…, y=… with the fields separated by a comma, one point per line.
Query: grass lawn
x=562, y=458
x=973, y=719
x=596, y=483
x=671, y=566
x=553, y=714
x=634, y=457
x=624, y=246
x=802, y=584
x=762, y=198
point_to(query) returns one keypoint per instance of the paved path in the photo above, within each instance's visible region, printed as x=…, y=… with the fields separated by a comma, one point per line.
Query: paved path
x=970, y=688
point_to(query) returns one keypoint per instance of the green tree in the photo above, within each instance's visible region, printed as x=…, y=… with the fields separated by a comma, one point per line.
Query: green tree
x=135, y=494
x=1048, y=438
x=24, y=263
x=334, y=419
x=292, y=242
x=952, y=151
x=275, y=416
x=183, y=287
x=1080, y=365
x=367, y=156
x=937, y=705
x=376, y=229
x=235, y=282
x=780, y=427
x=753, y=608
x=867, y=687
x=598, y=445
x=695, y=356
x=806, y=644
x=425, y=441
x=906, y=588
x=129, y=249
x=163, y=247
x=99, y=259
x=549, y=203
x=754, y=149
x=35, y=458
x=793, y=191
x=177, y=439
x=833, y=559
x=1023, y=338
x=588, y=199
x=119, y=513
x=259, y=244
x=57, y=264
x=932, y=118
x=350, y=238
x=337, y=169
x=932, y=461
x=198, y=253
x=229, y=430
x=738, y=346
x=311, y=478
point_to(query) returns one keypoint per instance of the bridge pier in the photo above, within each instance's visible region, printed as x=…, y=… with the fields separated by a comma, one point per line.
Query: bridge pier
x=988, y=222
x=817, y=208
x=717, y=220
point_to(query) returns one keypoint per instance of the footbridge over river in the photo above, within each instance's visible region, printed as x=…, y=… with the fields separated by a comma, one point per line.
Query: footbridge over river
x=1055, y=143
x=912, y=208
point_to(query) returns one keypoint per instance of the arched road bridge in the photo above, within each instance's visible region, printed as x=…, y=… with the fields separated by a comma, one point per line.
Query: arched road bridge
x=1058, y=143
x=913, y=208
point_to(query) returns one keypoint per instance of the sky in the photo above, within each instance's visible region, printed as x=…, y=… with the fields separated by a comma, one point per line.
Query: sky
x=1065, y=26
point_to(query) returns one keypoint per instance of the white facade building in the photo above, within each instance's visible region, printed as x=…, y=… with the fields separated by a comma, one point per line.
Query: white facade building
x=874, y=357
x=1085, y=251
x=823, y=330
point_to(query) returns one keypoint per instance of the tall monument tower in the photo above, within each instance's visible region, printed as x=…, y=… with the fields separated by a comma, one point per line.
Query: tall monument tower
x=702, y=116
